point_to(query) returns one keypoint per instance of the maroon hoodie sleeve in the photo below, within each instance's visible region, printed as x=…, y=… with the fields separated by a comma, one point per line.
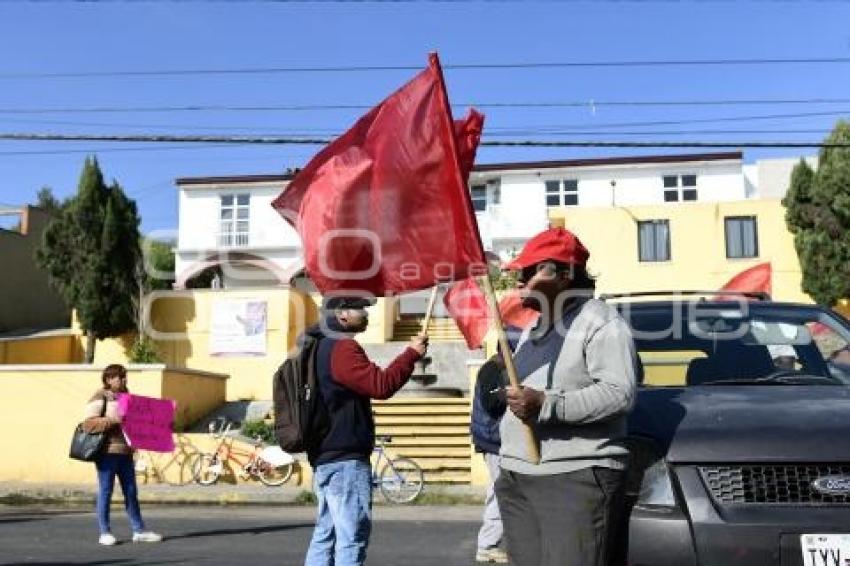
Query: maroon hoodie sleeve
x=351, y=368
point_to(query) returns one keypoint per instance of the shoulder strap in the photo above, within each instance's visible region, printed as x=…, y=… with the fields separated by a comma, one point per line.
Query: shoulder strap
x=103, y=408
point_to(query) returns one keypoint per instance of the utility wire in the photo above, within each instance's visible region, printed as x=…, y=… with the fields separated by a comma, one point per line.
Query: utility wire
x=324, y=141
x=496, y=131
x=462, y=66
x=321, y=107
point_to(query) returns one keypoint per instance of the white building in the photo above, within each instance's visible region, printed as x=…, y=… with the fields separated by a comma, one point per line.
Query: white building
x=227, y=223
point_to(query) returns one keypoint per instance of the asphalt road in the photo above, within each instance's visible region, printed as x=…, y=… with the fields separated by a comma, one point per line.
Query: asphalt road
x=426, y=536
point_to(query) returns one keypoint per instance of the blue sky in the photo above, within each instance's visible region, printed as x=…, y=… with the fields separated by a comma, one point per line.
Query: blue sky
x=81, y=37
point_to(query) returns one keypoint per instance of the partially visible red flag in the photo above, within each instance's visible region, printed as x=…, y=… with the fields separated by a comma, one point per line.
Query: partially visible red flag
x=757, y=279
x=385, y=207
x=513, y=313
x=467, y=305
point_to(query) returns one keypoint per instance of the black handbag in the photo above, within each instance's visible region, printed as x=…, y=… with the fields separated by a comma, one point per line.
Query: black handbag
x=86, y=446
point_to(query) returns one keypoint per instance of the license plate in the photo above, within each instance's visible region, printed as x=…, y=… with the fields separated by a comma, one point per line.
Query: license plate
x=825, y=550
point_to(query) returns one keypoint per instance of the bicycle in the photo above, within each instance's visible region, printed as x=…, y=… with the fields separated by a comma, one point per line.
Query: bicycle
x=271, y=465
x=179, y=469
x=400, y=480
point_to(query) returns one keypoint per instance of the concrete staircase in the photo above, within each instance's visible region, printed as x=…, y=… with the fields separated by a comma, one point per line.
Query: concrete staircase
x=439, y=330
x=433, y=432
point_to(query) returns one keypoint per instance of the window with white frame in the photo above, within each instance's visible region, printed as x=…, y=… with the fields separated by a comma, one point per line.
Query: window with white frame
x=486, y=194
x=562, y=192
x=679, y=187
x=654, y=240
x=741, y=237
x=234, y=219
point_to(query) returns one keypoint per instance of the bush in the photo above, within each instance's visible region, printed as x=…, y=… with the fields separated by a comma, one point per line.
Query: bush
x=143, y=351
x=305, y=497
x=253, y=429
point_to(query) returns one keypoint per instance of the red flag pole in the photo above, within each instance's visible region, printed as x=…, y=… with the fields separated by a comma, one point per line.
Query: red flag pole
x=496, y=318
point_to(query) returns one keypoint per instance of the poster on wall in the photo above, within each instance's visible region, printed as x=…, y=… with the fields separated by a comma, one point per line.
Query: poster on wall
x=238, y=327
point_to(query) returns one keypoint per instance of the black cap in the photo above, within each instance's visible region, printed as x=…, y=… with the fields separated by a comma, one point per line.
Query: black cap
x=340, y=302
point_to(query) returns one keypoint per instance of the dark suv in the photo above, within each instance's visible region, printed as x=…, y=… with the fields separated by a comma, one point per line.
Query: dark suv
x=741, y=433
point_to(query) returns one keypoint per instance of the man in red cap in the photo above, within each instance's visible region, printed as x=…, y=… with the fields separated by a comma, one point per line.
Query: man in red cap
x=577, y=367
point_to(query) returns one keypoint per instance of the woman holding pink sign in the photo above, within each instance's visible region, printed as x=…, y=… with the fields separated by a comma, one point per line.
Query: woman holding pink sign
x=116, y=459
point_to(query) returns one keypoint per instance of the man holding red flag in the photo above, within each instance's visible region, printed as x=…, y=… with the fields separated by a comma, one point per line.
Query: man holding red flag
x=577, y=366
x=383, y=209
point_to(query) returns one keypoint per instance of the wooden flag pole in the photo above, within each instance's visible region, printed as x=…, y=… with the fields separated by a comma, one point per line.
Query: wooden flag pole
x=496, y=318
x=430, y=310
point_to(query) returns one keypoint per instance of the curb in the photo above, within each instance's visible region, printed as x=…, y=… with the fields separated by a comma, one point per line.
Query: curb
x=21, y=494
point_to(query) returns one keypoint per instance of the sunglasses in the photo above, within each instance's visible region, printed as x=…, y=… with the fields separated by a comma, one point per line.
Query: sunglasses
x=527, y=273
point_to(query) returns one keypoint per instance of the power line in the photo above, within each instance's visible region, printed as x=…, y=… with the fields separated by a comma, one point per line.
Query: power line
x=324, y=141
x=194, y=146
x=495, y=131
x=321, y=107
x=689, y=121
x=460, y=66
x=114, y=149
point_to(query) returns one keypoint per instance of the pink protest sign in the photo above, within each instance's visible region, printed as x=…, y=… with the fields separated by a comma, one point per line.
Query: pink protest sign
x=147, y=422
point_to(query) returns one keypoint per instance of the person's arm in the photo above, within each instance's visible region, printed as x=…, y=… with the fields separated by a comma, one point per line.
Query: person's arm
x=351, y=368
x=611, y=362
x=94, y=423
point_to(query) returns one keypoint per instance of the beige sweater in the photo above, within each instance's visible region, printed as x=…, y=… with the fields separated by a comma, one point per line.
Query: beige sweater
x=110, y=422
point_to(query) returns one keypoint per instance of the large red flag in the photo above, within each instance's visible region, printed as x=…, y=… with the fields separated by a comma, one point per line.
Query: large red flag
x=385, y=208
x=757, y=279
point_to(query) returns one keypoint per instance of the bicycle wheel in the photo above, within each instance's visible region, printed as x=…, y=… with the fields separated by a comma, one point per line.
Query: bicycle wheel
x=208, y=468
x=187, y=469
x=141, y=465
x=401, y=480
x=272, y=475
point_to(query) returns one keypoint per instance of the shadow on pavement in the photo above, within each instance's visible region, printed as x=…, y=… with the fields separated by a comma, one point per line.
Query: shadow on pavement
x=99, y=562
x=249, y=530
x=10, y=520
x=90, y=562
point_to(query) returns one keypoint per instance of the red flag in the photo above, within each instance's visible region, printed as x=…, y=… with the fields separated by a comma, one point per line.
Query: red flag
x=757, y=279
x=513, y=313
x=467, y=305
x=385, y=208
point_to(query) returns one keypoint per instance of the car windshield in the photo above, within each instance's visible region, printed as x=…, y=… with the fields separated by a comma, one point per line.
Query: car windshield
x=699, y=343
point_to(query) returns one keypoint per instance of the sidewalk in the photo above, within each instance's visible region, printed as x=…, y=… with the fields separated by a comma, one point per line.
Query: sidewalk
x=21, y=493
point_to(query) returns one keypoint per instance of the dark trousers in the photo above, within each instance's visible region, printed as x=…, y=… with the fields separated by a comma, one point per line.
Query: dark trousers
x=571, y=519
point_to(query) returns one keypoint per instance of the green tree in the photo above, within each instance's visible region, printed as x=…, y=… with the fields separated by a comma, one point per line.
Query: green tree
x=91, y=253
x=818, y=214
x=48, y=202
x=159, y=264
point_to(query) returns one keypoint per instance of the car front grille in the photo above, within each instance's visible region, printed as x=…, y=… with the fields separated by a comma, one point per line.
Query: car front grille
x=777, y=484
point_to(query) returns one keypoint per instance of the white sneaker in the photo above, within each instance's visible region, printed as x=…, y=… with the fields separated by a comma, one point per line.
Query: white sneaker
x=494, y=555
x=107, y=539
x=147, y=536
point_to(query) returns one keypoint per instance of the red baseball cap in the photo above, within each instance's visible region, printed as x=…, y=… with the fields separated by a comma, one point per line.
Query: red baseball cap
x=554, y=244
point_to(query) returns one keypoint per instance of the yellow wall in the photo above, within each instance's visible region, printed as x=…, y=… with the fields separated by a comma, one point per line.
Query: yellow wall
x=183, y=320
x=55, y=349
x=697, y=244
x=41, y=405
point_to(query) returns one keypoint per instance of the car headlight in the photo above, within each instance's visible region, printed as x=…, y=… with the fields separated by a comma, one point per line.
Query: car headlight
x=657, y=487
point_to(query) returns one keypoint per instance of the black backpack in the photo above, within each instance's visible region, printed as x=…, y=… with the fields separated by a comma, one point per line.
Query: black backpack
x=300, y=416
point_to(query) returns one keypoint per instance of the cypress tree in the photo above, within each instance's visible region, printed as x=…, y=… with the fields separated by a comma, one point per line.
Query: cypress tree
x=818, y=214
x=91, y=252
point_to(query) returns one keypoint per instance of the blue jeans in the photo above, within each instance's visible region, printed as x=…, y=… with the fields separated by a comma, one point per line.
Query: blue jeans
x=121, y=465
x=344, y=517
